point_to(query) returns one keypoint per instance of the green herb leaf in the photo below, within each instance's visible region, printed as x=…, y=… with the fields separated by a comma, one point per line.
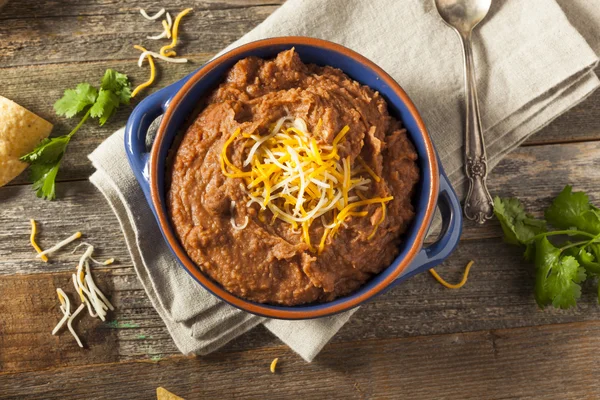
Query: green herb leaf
x=557, y=276
x=562, y=284
x=43, y=177
x=518, y=226
x=48, y=151
x=118, y=84
x=75, y=100
x=585, y=259
x=573, y=209
x=105, y=105
x=546, y=257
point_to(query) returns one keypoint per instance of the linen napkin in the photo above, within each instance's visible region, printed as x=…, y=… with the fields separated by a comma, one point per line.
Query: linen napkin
x=532, y=65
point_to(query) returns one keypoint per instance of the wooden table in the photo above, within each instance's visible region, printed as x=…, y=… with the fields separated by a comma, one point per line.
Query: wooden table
x=487, y=340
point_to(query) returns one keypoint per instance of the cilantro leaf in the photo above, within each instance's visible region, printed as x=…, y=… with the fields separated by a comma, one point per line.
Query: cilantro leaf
x=557, y=276
x=518, y=226
x=115, y=90
x=75, y=100
x=117, y=83
x=105, y=105
x=586, y=259
x=573, y=209
x=546, y=257
x=562, y=284
x=45, y=160
x=43, y=177
x=47, y=151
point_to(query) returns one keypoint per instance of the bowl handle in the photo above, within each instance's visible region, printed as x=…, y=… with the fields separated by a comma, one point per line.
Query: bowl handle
x=435, y=253
x=136, y=131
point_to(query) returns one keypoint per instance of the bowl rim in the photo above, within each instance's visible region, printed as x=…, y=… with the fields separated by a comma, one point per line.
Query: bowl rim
x=288, y=312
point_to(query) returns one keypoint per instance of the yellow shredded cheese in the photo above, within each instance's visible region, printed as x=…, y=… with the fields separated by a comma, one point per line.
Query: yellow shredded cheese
x=152, y=73
x=174, y=32
x=167, y=28
x=32, y=240
x=450, y=285
x=273, y=365
x=287, y=172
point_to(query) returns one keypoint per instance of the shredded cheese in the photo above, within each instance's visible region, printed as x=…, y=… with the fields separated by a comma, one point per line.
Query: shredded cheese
x=70, y=324
x=457, y=285
x=169, y=21
x=273, y=365
x=299, y=181
x=175, y=31
x=232, y=220
x=65, y=307
x=152, y=72
x=59, y=245
x=167, y=28
x=154, y=17
x=33, y=243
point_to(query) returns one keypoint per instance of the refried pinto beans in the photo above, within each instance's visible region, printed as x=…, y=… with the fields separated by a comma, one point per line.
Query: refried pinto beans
x=267, y=247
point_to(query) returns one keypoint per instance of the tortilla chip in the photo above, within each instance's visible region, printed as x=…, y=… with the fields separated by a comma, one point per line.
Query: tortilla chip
x=20, y=131
x=164, y=394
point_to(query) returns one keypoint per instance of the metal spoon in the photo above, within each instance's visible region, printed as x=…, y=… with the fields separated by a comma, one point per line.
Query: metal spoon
x=463, y=16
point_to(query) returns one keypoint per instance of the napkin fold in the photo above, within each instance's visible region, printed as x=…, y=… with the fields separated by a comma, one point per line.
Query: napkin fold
x=532, y=65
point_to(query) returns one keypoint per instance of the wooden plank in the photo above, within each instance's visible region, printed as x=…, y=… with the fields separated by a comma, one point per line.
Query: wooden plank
x=75, y=38
x=550, y=362
x=54, y=9
x=499, y=295
x=29, y=311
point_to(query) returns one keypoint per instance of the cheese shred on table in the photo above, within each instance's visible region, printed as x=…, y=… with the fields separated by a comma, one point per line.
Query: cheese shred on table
x=174, y=32
x=287, y=172
x=170, y=31
x=32, y=240
x=273, y=365
x=450, y=285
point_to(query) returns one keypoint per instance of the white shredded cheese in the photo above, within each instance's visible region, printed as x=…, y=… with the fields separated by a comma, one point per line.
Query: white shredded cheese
x=154, y=17
x=60, y=245
x=161, y=35
x=161, y=57
x=232, y=219
x=65, y=308
x=70, y=324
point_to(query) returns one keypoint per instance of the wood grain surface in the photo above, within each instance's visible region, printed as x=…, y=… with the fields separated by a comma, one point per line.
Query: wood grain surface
x=487, y=340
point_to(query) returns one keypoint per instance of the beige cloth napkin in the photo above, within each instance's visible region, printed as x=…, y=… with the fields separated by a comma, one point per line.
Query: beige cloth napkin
x=532, y=65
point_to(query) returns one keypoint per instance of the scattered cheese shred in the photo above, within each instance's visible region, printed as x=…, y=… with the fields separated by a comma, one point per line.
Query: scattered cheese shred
x=65, y=307
x=175, y=31
x=273, y=365
x=170, y=31
x=457, y=285
x=70, y=324
x=85, y=286
x=154, y=17
x=148, y=53
x=152, y=73
x=298, y=181
x=32, y=240
x=59, y=245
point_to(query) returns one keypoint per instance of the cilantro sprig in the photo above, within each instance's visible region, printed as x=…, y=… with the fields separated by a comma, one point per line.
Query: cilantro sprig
x=572, y=256
x=45, y=159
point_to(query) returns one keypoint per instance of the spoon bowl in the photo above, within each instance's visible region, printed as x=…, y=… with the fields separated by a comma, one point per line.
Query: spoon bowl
x=463, y=15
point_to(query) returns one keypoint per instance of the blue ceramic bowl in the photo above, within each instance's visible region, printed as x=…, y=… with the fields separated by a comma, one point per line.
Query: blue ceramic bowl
x=178, y=102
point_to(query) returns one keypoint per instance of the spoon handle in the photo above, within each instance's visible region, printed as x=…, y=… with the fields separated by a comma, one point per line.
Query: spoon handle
x=478, y=203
